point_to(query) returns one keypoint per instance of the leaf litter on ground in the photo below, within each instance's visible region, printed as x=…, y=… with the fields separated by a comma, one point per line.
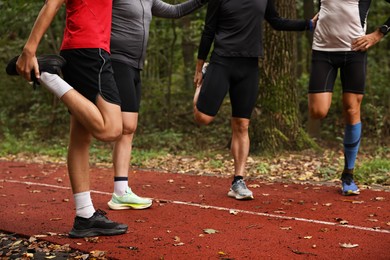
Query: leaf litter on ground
x=297, y=167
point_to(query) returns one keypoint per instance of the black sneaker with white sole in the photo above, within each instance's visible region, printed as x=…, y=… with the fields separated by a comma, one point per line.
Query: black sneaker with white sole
x=50, y=63
x=97, y=225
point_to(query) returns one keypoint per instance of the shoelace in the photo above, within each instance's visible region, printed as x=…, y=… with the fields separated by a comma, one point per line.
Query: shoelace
x=101, y=212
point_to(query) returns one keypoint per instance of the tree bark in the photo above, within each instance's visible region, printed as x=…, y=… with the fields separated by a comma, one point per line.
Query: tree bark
x=276, y=124
x=313, y=125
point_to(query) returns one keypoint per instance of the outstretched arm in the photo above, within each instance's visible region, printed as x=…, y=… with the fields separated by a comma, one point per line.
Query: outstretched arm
x=27, y=60
x=165, y=10
x=207, y=39
x=283, y=24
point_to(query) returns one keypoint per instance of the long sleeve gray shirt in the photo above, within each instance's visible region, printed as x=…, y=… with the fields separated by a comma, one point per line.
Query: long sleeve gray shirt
x=130, y=26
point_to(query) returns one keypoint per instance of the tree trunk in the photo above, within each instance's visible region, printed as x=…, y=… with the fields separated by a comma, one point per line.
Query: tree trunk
x=276, y=124
x=313, y=125
x=188, y=49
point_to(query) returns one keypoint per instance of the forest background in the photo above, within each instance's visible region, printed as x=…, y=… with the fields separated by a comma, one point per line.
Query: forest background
x=285, y=142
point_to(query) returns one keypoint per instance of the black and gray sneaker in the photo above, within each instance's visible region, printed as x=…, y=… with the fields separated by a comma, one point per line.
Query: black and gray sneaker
x=50, y=63
x=97, y=225
x=239, y=191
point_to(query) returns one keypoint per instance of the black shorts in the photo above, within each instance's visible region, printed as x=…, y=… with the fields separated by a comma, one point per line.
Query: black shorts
x=324, y=69
x=89, y=71
x=239, y=76
x=128, y=81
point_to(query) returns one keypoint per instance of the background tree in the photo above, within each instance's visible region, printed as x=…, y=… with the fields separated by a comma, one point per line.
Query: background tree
x=276, y=121
x=28, y=117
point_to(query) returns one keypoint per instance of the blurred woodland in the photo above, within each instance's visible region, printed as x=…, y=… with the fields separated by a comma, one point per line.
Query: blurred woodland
x=280, y=121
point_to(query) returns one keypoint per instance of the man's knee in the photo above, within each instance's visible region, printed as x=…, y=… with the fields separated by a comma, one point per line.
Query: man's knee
x=202, y=119
x=129, y=129
x=240, y=125
x=111, y=135
x=351, y=111
x=317, y=113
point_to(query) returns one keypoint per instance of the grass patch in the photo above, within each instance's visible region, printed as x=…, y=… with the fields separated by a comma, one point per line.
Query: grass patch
x=374, y=171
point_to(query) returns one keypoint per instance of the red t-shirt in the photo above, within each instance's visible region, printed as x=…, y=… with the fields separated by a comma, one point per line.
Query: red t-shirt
x=88, y=24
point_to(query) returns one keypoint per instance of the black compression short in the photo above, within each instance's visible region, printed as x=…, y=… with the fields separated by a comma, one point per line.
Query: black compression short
x=89, y=71
x=128, y=80
x=239, y=76
x=325, y=66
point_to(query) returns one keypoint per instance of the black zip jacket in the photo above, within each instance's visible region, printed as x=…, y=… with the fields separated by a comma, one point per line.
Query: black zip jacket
x=235, y=27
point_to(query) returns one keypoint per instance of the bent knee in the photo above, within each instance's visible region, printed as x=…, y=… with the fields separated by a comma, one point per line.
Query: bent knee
x=111, y=135
x=318, y=113
x=202, y=121
x=201, y=118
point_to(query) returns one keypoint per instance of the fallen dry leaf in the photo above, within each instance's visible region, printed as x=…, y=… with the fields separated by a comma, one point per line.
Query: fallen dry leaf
x=210, y=231
x=342, y=221
x=286, y=228
x=348, y=245
x=97, y=253
x=233, y=212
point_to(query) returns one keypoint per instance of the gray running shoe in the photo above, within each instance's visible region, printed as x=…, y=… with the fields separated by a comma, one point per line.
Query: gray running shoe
x=239, y=191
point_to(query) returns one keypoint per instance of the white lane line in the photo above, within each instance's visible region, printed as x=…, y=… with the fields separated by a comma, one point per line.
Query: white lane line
x=222, y=209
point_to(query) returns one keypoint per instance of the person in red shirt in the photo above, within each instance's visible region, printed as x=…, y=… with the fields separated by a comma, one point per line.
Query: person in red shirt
x=89, y=92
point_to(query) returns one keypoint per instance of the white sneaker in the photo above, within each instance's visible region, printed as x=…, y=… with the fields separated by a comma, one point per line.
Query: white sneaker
x=129, y=200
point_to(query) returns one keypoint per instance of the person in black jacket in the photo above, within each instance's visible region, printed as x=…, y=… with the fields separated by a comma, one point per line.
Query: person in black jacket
x=235, y=28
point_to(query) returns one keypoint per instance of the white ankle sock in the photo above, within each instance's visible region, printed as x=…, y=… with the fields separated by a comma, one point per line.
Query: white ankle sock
x=84, y=206
x=55, y=84
x=120, y=187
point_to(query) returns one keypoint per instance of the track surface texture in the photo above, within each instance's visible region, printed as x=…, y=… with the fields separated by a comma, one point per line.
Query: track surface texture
x=193, y=218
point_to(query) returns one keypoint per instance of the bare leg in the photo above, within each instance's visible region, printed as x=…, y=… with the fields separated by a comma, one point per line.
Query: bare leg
x=123, y=147
x=103, y=120
x=200, y=117
x=319, y=104
x=123, y=197
x=240, y=144
x=351, y=107
x=240, y=150
x=78, y=156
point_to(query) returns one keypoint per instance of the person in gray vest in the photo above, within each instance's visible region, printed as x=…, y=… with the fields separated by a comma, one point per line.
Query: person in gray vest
x=129, y=39
x=340, y=43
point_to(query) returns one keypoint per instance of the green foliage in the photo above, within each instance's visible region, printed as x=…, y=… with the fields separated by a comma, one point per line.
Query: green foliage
x=262, y=168
x=372, y=171
x=215, y=164
x=36, y=122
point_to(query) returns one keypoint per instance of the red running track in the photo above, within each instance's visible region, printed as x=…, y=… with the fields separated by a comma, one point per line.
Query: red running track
x=284, y=221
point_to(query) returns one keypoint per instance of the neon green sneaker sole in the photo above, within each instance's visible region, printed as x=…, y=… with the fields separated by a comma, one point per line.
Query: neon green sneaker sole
x=116, y=206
